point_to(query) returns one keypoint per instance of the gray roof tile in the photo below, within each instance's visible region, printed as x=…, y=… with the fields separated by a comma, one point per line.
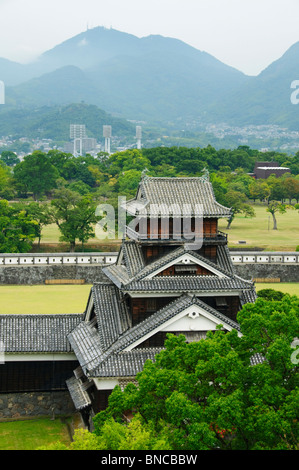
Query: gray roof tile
x=111, y=312
x=37, y=333
x=125, y=364
x=79, y=396
x=133, y=257
x=179, y=191
x=86, y=343
x=182, y=284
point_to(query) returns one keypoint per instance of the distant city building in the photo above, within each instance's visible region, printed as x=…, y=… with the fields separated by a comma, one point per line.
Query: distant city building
x=87, y=144
x=265, y=169
x=107, y=133
x=77, y=131
x=77, y=134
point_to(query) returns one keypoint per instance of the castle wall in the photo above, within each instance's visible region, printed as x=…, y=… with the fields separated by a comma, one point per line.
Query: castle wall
x=34, y=275
x=20, y=405
x=283, y=272
x=33, y=269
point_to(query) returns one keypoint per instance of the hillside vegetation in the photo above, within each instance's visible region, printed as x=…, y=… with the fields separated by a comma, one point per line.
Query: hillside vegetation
x=154, y=79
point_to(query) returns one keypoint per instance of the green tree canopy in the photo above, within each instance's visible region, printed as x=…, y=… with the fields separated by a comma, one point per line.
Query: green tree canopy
x=74, y=215
x=18, y=229
x=210, y=394
x=9, y=158
x=35, y=174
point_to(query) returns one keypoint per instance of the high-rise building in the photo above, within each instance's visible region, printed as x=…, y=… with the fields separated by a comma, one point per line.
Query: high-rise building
x=107, y=133
x=77, y=134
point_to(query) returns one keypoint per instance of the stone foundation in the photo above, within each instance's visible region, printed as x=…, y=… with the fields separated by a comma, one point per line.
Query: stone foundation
x=283, y=272
x=20, y=405
x=34, y=275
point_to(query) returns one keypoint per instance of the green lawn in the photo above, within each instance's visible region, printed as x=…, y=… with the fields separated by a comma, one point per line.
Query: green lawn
x=31, y=434
x=291, y=288
x=73, y=299
x=51, y=234
x=257, y=231
x=44, y=299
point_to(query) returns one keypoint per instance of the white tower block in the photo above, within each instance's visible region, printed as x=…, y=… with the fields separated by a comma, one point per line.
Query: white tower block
x=107, y=132
x=77, y=133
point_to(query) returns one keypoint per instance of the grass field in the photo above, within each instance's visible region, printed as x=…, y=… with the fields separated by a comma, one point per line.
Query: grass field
x=44, y=299
x=73, y=299
x=256, y=231
x=31, y=434
x=291, y=288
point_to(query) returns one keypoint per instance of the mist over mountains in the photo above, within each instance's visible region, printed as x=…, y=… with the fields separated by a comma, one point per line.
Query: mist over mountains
x=153, y=79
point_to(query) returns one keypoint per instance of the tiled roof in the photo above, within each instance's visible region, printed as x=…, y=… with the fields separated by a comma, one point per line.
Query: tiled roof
x=224, y=259
x=182, y=284
x=179, y=191
x=133, y=257
x=125, y=364
x=37, y=333
x=248, y=296
x=256, y=359
x=111, y=312
x=172, y=256
x=79, y=396
x=119, y=274
x=86, y=343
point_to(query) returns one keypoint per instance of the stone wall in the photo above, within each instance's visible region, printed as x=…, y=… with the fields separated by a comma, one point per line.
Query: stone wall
x=20, y=405
x=284, y=272
x=34, y=275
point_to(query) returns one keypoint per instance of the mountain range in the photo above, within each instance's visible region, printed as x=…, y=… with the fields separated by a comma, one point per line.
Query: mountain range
x=154, y=79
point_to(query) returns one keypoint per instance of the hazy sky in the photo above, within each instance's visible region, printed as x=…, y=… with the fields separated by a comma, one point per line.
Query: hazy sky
x=246, y=34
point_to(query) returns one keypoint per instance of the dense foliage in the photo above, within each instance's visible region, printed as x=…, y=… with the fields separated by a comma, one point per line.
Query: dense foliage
x=212, y=394
x=209, y=395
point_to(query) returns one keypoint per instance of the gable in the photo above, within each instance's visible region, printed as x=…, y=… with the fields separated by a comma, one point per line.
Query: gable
x=186, y=264
x=192, y=318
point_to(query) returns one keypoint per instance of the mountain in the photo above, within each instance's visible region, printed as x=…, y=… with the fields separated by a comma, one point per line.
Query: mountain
x=152, y=78
x=65, y=85
x=155, y=79
x=265, y=99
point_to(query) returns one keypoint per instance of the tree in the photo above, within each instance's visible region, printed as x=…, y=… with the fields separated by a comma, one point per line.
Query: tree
x=18, y=229
x=35, y=174
x=259, y=189
x=236, y=200
x=270, y=294
x=9, y=158
x=41, y=213
x=6, y=189
x=291, y=185
x=116, y=436
x=273, y=208
x=74, y=215
x=209, y=394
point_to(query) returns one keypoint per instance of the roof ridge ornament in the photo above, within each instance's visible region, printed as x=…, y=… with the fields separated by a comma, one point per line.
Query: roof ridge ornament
x=206, y=174
x=144, y=175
